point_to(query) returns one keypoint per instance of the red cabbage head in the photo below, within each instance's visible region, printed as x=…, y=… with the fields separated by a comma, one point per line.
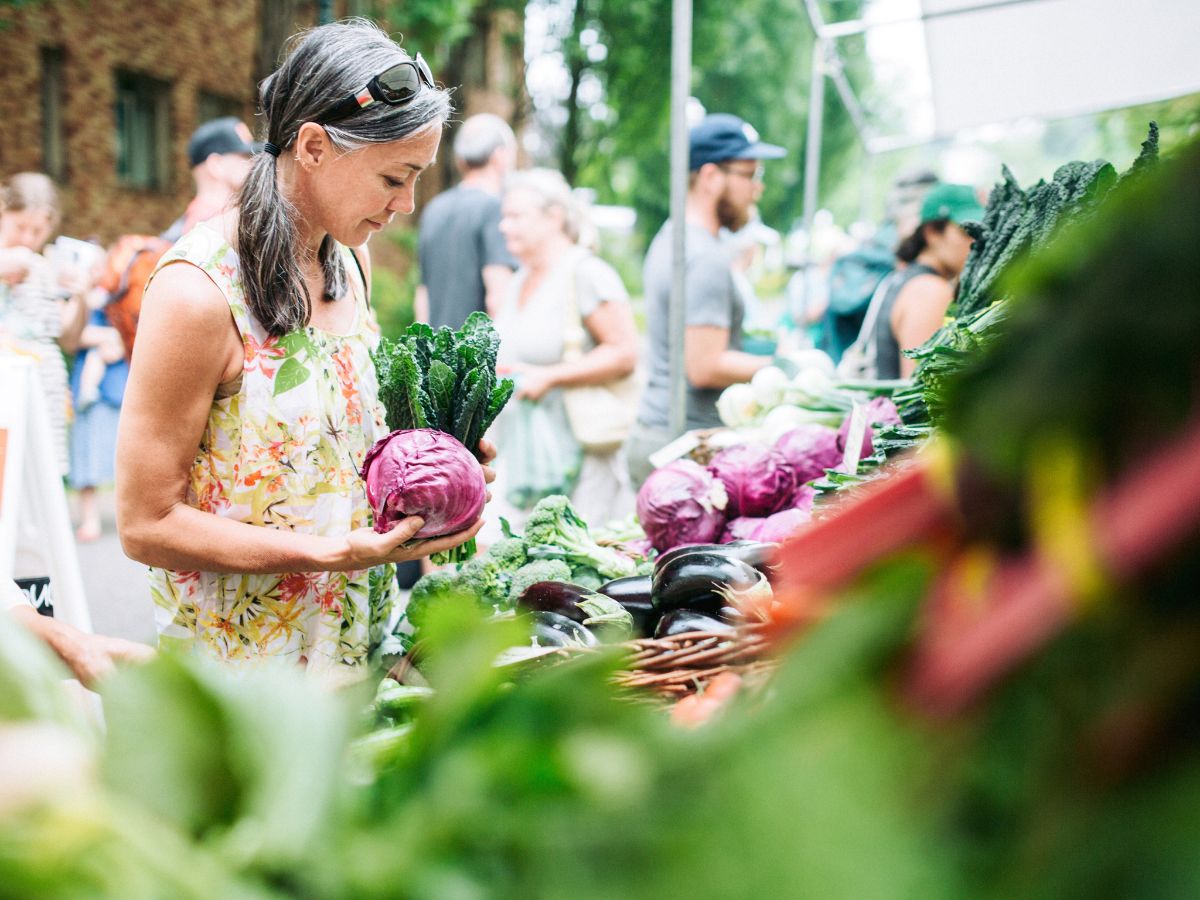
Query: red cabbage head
x=426, y=473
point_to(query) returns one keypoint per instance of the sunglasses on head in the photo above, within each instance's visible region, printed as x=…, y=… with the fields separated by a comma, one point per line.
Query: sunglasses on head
x=394, y=86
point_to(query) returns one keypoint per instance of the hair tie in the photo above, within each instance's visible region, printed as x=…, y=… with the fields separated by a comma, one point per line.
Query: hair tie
x=268, y=147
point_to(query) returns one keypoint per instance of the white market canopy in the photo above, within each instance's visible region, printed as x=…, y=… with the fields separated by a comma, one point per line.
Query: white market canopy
x=995, y=61
x=1057, y=58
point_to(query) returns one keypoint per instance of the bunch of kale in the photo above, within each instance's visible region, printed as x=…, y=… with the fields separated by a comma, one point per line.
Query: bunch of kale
x=1017, y=221
x=443, y=379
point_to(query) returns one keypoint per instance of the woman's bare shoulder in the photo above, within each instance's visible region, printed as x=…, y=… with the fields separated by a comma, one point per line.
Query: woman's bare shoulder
x=188, y=291
x=923, y=288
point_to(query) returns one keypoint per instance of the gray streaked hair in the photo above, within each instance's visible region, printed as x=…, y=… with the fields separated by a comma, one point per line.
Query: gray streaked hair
x=479, y=137
x=322, y=66
x=553, y=192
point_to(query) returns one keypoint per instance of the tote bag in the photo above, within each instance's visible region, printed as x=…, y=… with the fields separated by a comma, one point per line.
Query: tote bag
x=601, y=415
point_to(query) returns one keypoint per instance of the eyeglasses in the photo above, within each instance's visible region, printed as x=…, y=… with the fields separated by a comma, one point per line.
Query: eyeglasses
x=755, y=174
x=395, y=86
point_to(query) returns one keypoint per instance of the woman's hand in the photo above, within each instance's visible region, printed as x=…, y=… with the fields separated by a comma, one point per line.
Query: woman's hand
x=487, y=453
x=93, y=657
x=366, y=548
x=16, y=263
x=535, y=381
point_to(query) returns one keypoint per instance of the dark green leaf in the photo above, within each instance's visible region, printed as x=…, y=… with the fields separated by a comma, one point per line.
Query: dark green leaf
x=501, y=394
x=440, y=382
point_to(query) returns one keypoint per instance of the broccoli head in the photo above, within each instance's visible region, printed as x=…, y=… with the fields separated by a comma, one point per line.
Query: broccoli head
x=533, y=572
x=431, y=590
x=487, y=580
x=555, y=531
x=586, y=576
x=508, y=553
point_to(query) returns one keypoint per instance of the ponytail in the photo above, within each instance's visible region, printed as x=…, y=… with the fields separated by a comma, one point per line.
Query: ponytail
x=914, y=245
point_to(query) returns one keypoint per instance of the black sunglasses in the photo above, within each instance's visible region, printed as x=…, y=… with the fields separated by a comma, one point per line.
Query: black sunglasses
x=395, y=86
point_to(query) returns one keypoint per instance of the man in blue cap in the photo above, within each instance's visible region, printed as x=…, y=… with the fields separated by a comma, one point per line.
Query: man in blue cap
x=725, y=158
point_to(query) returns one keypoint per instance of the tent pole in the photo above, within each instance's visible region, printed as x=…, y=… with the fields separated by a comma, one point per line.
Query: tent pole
x=681, y=86
x=812, y=151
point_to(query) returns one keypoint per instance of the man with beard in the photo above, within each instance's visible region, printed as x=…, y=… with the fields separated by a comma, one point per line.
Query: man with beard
x=726, y=180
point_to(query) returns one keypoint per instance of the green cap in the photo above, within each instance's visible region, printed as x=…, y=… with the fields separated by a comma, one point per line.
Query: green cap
x=956, y=202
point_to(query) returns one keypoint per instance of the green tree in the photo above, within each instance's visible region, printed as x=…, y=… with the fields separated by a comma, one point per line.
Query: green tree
x=752, y=58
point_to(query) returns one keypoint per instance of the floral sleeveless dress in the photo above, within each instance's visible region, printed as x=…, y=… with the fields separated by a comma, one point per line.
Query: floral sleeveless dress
x=284, y=452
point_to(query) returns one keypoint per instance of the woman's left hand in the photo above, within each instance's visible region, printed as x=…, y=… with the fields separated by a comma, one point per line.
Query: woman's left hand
x=534, y=382
x=487, y=453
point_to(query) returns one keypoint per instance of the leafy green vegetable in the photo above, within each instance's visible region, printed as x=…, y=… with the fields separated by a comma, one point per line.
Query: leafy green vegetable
x=1016, y=223
x=444, y=380
x=555, y=531
x=434, y=590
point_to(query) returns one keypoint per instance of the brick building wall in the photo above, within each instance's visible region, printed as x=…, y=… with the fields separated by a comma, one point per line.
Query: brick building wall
x=194, y=47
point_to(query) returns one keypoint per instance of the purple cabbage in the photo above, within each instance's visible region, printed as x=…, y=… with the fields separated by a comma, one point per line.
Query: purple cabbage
x=426, y=473
x=809, y=450
x=741, y=529
x=758, y=480
x=803, y=498
x=778, y=528
x=681, y=503
x=880, y=411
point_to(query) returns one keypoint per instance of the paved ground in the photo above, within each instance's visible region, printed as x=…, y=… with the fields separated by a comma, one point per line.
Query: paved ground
x=116, y=587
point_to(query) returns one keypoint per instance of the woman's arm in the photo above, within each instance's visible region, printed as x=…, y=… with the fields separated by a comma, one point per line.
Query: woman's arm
x=614, y=356
x=918, y=312
x=187, y=345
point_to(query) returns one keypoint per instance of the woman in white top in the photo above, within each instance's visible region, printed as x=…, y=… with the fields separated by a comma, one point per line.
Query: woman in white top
x=43, y=309
x=558, y=283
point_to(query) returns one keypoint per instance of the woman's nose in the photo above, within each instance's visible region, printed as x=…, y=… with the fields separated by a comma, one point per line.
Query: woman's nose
x=403, y=202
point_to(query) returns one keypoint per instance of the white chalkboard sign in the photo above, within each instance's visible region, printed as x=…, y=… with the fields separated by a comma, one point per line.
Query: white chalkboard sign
x=31, y=488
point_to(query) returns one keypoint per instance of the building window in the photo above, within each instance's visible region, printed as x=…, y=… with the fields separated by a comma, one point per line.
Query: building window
x=54, y=144
x=143, y=116
x=214, y=106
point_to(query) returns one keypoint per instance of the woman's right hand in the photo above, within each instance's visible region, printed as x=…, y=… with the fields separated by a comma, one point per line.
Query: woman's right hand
x=366, y=547
x=15, y=263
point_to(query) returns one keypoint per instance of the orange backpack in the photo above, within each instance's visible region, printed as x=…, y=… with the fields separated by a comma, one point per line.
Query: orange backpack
x=127, y=270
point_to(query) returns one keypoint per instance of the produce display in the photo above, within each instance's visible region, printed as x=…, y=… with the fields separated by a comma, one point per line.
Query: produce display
x=440, y=394
x=558, y=571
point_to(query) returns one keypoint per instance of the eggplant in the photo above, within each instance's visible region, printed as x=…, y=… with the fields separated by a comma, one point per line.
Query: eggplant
x=556, y=597
x=665, y=558
x=633, y=593
x=705, y=582
x=755, y=553
x=550, y=629
x=763, y=556
x=681, y=621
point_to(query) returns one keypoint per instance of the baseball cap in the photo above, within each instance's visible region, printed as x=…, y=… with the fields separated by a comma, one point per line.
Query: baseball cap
x=956, y=202
x=720, y=137
x=225, y=135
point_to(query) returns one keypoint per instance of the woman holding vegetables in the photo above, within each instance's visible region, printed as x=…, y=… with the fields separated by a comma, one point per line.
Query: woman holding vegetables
x=252, y=400
x=566, y=322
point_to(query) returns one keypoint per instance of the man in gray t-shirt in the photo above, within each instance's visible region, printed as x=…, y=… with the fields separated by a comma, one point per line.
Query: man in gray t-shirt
x=725, y=182
x=465, y=265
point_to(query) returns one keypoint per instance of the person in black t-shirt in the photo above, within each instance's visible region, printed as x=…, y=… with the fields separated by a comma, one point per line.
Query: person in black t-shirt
x=465, y=265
